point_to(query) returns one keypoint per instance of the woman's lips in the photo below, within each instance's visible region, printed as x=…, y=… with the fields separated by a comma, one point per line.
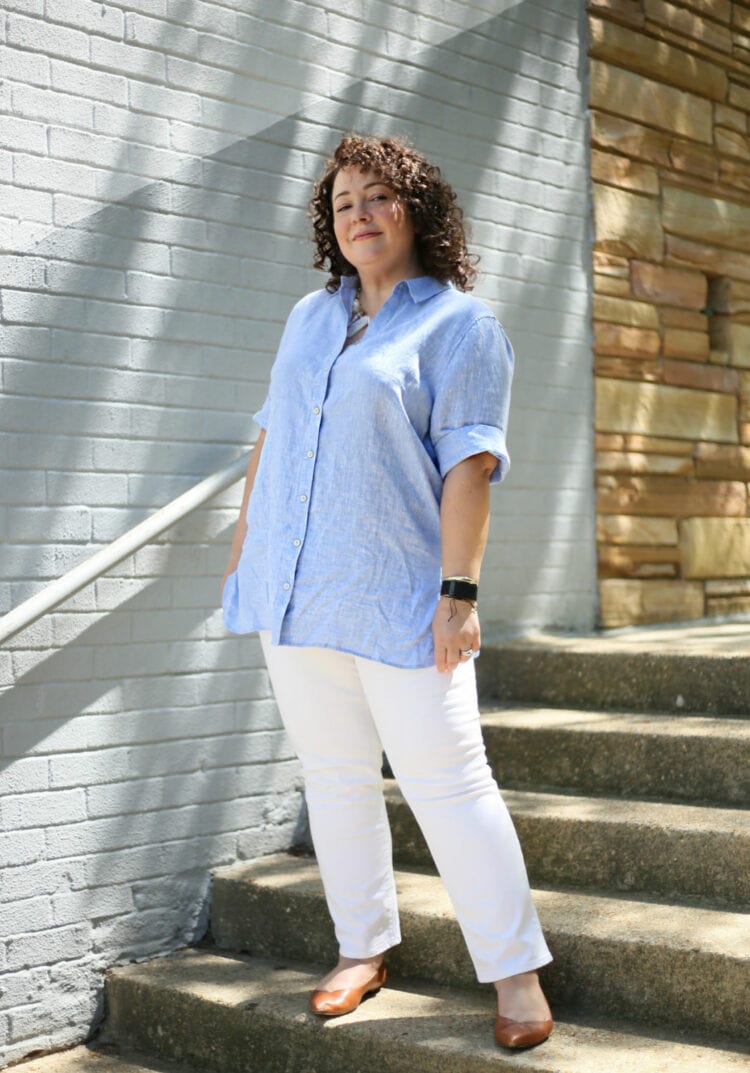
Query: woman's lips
x=365, y=234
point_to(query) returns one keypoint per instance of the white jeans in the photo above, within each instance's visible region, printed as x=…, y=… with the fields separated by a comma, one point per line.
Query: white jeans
x=337, y=710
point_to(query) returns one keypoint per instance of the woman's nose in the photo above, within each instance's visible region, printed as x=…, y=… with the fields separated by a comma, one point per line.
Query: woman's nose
x=363, y=210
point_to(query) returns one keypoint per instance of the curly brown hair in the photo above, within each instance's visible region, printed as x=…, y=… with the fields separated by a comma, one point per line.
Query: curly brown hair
x=437, y=218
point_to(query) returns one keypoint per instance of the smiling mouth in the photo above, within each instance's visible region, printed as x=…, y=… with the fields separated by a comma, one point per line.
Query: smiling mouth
x=365, y=234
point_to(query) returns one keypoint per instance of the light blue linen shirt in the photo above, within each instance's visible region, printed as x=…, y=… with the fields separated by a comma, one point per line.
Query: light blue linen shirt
x=343, y=542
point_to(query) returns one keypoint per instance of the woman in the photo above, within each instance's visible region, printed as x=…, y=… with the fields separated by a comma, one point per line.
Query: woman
x=357, y=558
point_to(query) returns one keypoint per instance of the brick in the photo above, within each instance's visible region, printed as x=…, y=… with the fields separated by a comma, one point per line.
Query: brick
x=660, y=410
x=629, y=94
x=130, y=59
x=681, y=21
x=37, y=810
x=611, y=265
x=626, y=602
x=715, y=547
x=24, y=776
x=67, y=523
x=624, y=136
x=657, y=445
x=721, y=461
x=621, y=171
x=696, y=160
x=627, y=224
x=670, y=286
x=638, y=52
x=741, y=16
x=618, y=311
x=27, y=915
x=727, y=606
x=721, y=10
x=728, y=587
x=26, y=68
x=635, y=530
x=706, y=219
x=700, y=376
x=86, y=82
x=38, y=35
x=627, y=10
x=679, y=497
x=97, y=19
x=41, y=877
x=625, y=462
x=734, y=173
x=613, y=286
x=43, y=948
x=20, y=848
x=24, y=135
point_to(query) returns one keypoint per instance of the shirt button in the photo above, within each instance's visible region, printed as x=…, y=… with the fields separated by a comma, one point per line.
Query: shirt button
x=286, y=585
x=303, y=499
x=297, y=543
x=316, y=409
x=309, y=454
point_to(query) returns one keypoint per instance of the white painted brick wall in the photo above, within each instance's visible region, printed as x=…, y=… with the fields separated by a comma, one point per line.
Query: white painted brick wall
x=155, y=162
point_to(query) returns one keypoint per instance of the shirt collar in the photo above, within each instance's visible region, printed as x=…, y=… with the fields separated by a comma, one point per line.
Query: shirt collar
x=420, y=289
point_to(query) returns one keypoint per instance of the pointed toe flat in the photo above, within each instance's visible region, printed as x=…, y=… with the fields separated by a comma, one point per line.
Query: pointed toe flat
x=336, y=1003
x=519, y=1034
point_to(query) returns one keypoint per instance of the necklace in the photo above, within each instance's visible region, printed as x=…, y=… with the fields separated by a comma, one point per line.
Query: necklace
x=359, y=319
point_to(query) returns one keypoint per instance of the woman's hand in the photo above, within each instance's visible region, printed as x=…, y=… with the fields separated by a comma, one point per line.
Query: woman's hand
x=455, y=627
x=229, y=570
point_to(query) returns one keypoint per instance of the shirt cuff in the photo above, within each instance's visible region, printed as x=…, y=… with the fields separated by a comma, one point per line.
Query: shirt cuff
x=460, y=443
x=260, y=417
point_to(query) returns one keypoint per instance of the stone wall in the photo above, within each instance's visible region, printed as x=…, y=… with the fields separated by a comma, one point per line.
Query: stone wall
x=670, y=162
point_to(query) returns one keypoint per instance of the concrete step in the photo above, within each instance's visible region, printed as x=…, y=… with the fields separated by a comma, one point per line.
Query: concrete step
x=678, y=758
x=700, y=668
x=95, y=1059
x=642, y=960
x=235, y=1014
x=608, y=843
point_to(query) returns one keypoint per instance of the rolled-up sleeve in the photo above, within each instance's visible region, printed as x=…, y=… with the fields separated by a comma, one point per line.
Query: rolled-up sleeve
x=470, y=410
x=261, y=417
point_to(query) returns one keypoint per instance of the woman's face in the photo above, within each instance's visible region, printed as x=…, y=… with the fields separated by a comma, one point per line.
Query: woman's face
x=372, y=226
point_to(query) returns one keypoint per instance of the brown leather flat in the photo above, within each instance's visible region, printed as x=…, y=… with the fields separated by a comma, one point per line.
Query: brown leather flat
x=336, y=1003
x=518, y=1034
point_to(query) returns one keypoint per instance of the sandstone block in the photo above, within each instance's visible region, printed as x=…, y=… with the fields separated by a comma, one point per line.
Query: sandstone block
x=657, y=445
x=662, y=410
x=684, y=318
x=670, y=286
x=632, y=529
x=631, y=462
x=616, y=339
x=706, y=219
x=745, y=432
x=621, y=171
x=645, y=369
x=623, y=136
x=637, y=52
x=604, y=441
x=719, y=357
x=697, y=160
x=627, y=224
x=702, y=376
x=734, y=173
x=678, y=497
x=732, y=143
x=614, y=286
x=681, y=21
x=715, y=547
x=722, y=461
x=739, y=96
x=610, y=264
x=692, y=346
x=732, y=336
x=710, y=258
x=728, y=606
x=741, y=17
x=622, y=311
x=629, y=94
x=637, y=561
x=627, y=10
x=733, y=118
x=729, y=295
x=728, y=587
x=625, y=602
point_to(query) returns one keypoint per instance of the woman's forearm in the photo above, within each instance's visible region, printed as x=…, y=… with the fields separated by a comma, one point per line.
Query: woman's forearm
x=465, y=516
x=241, y=528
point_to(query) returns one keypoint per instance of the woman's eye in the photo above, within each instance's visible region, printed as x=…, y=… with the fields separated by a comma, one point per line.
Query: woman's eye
x=341, y=208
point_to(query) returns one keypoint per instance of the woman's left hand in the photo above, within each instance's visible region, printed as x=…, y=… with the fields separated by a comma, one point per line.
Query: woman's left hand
x=455, y=629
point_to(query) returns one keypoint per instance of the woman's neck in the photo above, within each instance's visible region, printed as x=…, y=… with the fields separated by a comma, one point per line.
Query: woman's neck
x=375, y=290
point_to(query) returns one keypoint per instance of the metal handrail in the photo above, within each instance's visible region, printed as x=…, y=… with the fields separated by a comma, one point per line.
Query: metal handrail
x=54, y=593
